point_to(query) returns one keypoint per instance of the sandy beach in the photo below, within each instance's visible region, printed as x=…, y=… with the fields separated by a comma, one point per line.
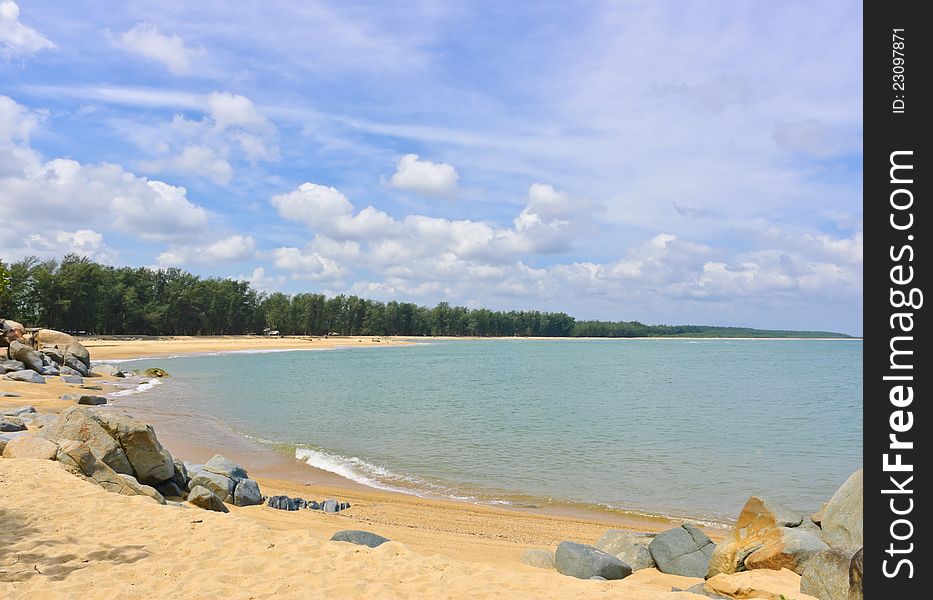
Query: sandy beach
x=68, y=538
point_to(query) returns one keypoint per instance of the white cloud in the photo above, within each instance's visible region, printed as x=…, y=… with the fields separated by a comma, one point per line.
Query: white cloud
x=16, y=121
x=305, y=265
x=193, y=160
x=424, y=177
x=262, y=282
x=232, y=110
x=325, y=209
x=84, y=242
x=16, y=38
x=228, y=249
x=145, y=40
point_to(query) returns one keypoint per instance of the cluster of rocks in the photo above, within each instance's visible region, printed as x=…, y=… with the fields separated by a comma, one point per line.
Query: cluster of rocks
x=219, y=481
x=43, y=351
x=824, y=549
x=286, y=503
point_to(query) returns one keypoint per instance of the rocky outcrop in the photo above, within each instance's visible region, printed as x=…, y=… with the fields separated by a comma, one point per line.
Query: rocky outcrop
x=151, y=463
x=842, y=517
x=81, y=424
x=767, y=535
x=583, y=562
x=540, y=559
x=78, y=455
x=684, y=550
x=204, y=498
x=360, y=538
x=631, y=547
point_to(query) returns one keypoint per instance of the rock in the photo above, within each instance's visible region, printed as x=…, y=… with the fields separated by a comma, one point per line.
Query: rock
x=69, y=371
x=313, y=505
x=106, y=370
x=91, y=400
x=12, y=424
x=541, y=559
x=19, y=411
x=70, y=397
x=96, y=388
x=170, y=489
x=24, y=353
x=224, y=487
x=68, y=344
x=82, y=424
x=78, y=456
x=842, y=517
x=330, y=506
x=40, y=421
x=28, y=446
x=57, y=356
x=151, y=463
x=156, y=373
x=817, y=517
x=764, y=584
x=73, y=362
x=360, y=538
x=684, y=550
x=856, y=572
x=142, y=490
x=204, y=498
x=628, y=546
x=247, y=493
x=229, y=469
x=50, y=371
x=583, y=561
x=72, y=379
x=180, y=477
x=11, y=365
x=700, y=589
x=767, y=534
x=3, y=442
x=828, y=575
x=597, y=578
x=10, y=395
x=26, y=375
x=284, y=503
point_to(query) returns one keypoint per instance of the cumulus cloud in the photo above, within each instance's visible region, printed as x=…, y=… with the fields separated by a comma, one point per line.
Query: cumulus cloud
x=17, y=38
x=16, y=121
x=325, y=209
x=424, y=177
x=193, y=160
x=307, y=265
x=262, y=282
x=228, y=249
x=145, y=40
x=84, y=242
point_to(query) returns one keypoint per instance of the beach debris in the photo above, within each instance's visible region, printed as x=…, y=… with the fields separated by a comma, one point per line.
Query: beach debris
x=91, y=400
x=541, y=559
x=26, y=376
x=842, y=517
x=19, y=411
x=30, y=446
x=631, y=547
x=154, y=372
x=247, y=493
x=829, y=574
x=683, y=550
x=220, y=485
x=767, y=535
x=8, y=424
x=204, y=498
x=80, y=457
x=222, y=466
x=72, y=379
x=584, y=561
x=360, y=538
x=107, y=370
x=84, y=425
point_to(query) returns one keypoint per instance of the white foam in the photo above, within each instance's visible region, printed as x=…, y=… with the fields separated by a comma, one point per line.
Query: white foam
x=144, y=386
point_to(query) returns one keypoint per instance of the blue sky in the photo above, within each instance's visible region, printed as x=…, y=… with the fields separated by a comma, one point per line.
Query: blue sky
x=669, y=162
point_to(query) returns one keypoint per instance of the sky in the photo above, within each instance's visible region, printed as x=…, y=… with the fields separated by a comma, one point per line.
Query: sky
x=662, y=161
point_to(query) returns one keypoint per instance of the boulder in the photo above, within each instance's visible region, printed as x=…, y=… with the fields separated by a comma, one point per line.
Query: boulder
x=156, y=373
x=50, y=338
x=700, y=589
x=360, y=538
x=630, y=547
x=50, y=371
x=19, y=411
x=180, y=476
x=684, y=550
x=285, y=503
x=330, y=506
x=762, y=584
x=767, y=534
x=77, y=455
x=57, y=356
x=73, y=362
x=82, y=424
x=18, y=351
x=204, y=498
x=842, y=517
x=170, y=489
x=229, y=469
x=583, y=561
x=91, y=400
x=106, y=370
x=72, y=379
x=151, y=463
x=69, y=371
x=26, y=376
x=8, y=424
x=28, y=446
x=540, y=559
x=247, y=493
x=856, y=572
x=828, y=575
x=39, y=421
x=224, y=487
x=11, y=365
x=142, y=490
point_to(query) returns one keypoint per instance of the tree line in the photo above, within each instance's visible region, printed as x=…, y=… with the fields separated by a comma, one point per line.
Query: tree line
x=79, y=295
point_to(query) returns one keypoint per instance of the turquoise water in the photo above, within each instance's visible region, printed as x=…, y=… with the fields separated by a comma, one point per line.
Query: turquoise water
x=680, y=427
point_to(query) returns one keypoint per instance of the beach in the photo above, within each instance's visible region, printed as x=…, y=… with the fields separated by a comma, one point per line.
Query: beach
x=81, y=540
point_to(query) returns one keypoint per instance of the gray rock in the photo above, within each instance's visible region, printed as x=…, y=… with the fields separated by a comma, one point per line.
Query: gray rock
x=82, y=424
x=631, y=547
x=285, y=503
x=142, y=490
x=313, y=505
x=8, y=424
x=220, y=465
x=170, y=489
x=684, y=550
x=26, y=375
x=77, y=455
x=204, y=498
x=224, y=487
x=70, y=371
x=50, y=370
x=827, y=575
x=151, y=462
x=75, y=363
x=360, y=538
x=247, y=493
x=20, y=411
x=842, y=517
x=107, y=370
x=11, y=365
x=540, y=559
x=180, y=477
x=72, y=379
x=39, y=421
x=91, y=400
x=96, y=388
x=10, y=395
x=856, y=574
x=25, y=354
x=57, y=356
x=597, y=578
x=700, y=589
x=330, y=506
x=583, y=561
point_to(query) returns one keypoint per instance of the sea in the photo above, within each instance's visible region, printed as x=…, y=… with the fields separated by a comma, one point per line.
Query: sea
x=688, y=428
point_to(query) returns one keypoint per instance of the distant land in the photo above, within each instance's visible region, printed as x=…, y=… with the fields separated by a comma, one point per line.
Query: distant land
x=79, y=295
